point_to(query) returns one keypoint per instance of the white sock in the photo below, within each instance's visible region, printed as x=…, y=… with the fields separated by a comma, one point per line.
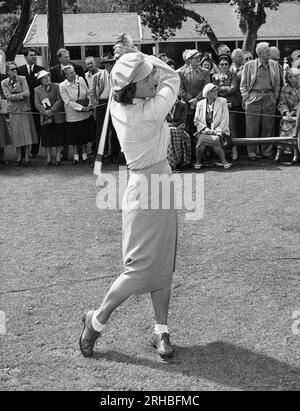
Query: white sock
x=76, y=157
x=160, y=329
x=95, y=323
x=84, y=156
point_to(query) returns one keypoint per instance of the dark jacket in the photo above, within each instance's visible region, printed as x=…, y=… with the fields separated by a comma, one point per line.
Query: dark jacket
x=57, y=105
x=32, y=81
x=58, y=77
x=179, y=116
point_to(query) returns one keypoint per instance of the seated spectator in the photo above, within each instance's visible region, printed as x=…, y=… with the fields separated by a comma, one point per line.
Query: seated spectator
x=288, y=102
x=75, y=95
x=22, y=128
x=50, y=105
x=226, y=83
x=180, y=148
x=4, y=138
x=211, y=120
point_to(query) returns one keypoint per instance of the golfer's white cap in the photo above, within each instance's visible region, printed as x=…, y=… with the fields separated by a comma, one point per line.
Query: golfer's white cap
x=130, y=68
x=207, y=89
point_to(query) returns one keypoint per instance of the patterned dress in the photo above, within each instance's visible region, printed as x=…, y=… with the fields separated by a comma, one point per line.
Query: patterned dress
x=288, y=101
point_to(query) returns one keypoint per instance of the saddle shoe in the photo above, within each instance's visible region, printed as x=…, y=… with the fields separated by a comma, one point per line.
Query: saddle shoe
x=162, y=343
x=89, y=336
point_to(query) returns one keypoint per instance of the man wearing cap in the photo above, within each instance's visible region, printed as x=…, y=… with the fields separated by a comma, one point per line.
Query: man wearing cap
x=193, y=78
x=139, y=110
x=100, y=91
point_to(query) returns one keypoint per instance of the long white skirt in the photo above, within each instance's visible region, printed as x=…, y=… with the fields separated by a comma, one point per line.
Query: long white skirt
x=149, y=237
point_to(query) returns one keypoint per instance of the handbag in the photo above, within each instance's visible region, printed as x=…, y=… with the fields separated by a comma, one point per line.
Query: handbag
x=226, y=141
x=47, y=122
x=85, y=102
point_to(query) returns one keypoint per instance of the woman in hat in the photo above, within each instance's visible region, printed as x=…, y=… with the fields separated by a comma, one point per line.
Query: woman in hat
x=50, y=105
x=227, y=85
x=139, y=109
x=22, y=128
x=211, y=120
x=76, y=97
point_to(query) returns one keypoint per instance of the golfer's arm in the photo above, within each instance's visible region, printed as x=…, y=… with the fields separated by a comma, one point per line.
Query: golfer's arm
x=167, y=88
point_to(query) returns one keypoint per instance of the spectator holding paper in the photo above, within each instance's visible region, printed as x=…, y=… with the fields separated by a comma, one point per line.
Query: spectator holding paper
x=50, y=105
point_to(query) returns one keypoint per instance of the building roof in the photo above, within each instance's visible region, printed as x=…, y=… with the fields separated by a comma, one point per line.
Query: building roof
x=103, y=28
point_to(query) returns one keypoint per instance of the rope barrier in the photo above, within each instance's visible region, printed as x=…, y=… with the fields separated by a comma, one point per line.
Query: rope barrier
x=37, y=113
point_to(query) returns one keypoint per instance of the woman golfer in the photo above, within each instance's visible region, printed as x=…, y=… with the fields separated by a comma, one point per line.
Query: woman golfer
x=145, y=90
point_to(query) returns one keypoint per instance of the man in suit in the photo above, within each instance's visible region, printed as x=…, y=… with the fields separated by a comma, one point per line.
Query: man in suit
x=260, y=88
x=56, y=72
x=30, y=70
x=57, y=76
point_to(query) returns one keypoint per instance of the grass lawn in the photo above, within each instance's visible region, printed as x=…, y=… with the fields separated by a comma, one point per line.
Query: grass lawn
x=234, y=293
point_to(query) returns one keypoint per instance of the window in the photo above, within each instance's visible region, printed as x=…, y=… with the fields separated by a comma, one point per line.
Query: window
x=75, y=52
x=92, y=51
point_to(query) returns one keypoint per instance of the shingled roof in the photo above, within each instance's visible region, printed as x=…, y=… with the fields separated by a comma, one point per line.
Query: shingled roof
x=103, y=28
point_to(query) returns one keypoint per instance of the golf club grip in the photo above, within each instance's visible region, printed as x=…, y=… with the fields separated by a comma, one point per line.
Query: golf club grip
x=104, y=128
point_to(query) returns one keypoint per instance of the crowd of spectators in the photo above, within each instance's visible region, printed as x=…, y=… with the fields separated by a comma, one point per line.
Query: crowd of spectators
x=235, y=95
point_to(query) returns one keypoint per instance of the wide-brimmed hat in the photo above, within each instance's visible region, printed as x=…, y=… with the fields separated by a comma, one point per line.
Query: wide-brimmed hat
x=207, y=89
x=191, y=54
x=130, y=68
x=41, y=74
x=107, y=58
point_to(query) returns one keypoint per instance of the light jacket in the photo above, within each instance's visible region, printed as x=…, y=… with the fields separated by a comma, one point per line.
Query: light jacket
x=220, y=116
x=249, y=76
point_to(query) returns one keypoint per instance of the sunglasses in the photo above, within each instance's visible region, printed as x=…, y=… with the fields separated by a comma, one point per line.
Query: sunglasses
x=13, y=69
x=224, y=65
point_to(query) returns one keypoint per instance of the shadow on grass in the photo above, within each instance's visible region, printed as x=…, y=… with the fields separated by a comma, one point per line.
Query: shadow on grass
x=222, y=363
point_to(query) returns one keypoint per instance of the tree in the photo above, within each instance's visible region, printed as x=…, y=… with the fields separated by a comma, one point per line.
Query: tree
x=55, y=29
x=251, y=16
x=20, y=31
x=164, y=17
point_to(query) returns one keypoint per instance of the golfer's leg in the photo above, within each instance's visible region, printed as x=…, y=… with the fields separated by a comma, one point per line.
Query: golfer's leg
x=160, y=301
x=161, y=338
x=112, y=300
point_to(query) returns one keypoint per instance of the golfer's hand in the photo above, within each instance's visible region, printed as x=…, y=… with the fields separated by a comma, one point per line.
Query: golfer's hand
x=289, y=117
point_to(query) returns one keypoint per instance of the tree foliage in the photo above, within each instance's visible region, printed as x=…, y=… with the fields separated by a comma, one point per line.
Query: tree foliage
x=164, y=17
